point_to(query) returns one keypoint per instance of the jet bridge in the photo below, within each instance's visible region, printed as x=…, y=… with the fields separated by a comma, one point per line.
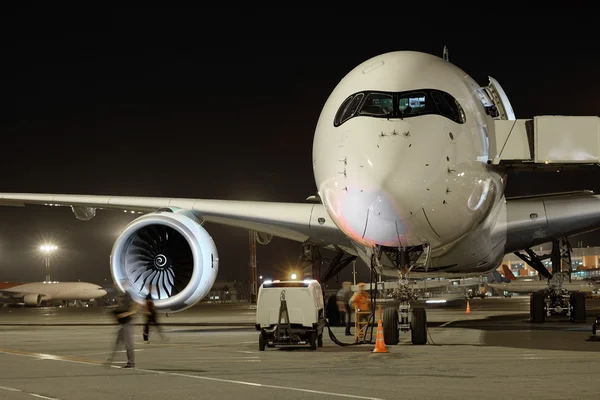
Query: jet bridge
x=548, y=141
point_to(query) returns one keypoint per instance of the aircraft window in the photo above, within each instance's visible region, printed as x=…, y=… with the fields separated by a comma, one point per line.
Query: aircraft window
x=416, y=103
x=400, y=105
x=348, y=109
x=456, y=108
x=444, y=106
x=378, y=104
x=461, y=113
x=353, y=106
x=338, y=116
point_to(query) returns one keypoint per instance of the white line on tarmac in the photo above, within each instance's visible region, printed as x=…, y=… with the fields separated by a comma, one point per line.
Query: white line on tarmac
x=9, y=389
x=206, y=378
x=42, y=397
x=101, y=352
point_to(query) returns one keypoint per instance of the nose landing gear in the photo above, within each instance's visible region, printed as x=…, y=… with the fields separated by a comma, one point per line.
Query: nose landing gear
x=404, y=318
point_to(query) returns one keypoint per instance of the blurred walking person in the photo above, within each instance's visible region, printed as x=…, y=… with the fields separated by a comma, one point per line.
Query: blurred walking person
x=126, y=309
x=151, y=318
x=343, y=297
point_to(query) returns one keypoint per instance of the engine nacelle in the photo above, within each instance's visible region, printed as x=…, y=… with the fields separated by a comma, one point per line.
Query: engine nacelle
x=32, y=299
x=170, y=251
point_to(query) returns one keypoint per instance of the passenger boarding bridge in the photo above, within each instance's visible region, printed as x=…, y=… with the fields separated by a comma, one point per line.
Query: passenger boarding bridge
x=547, y=141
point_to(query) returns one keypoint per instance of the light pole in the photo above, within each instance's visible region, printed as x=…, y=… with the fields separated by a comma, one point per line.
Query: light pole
x=48, y=249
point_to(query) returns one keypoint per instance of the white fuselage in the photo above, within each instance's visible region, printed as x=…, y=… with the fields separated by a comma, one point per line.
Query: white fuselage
x=411, y=177
x=534, y=286
x=60, y=290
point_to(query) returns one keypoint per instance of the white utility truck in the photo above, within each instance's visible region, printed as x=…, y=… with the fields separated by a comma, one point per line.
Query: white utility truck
x=290, y=313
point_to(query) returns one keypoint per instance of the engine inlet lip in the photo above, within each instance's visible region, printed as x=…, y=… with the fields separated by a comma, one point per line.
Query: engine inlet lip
x=118, y=258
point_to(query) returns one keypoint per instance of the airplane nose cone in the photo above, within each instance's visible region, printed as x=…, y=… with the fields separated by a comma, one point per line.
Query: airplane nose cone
x=370, y=191
x=371, y=217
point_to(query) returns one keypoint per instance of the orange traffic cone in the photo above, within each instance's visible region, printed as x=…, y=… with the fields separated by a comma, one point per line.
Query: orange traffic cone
x=468, y=308
x=379, y=343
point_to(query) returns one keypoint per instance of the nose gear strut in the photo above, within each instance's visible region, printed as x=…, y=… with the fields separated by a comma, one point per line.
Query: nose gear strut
x=405, y=318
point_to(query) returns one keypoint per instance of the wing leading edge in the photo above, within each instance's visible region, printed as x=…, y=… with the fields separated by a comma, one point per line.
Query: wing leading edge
x=299, y=222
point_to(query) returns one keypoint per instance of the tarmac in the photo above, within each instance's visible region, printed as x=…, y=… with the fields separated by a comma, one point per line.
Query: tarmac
x=212, y=352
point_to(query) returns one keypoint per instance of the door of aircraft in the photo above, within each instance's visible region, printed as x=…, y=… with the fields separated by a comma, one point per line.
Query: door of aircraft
x=500, y=99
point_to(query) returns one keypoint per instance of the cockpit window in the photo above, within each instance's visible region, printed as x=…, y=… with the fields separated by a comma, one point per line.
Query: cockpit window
x=417, y=103
x=338, y=116
x=400, y=105
x=378, y=104
x=348, y=108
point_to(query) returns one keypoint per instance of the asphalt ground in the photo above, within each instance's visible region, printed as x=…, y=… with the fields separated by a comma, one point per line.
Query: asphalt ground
x=212, y=352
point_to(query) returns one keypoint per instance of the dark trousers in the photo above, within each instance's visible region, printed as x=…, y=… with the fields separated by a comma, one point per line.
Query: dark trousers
x=151, y=320
x=348, y=318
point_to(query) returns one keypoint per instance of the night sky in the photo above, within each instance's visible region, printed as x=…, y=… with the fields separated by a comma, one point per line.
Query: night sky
x=219, y=105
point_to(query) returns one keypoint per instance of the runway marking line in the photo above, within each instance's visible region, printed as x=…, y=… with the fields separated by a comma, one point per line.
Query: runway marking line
x=206, y=378
x=39, y=396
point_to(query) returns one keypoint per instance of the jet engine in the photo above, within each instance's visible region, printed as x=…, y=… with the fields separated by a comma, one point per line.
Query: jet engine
x=170, y=252
x=32, y=299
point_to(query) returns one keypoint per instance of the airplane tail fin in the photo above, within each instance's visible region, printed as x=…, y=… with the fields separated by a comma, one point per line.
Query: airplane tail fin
x=508, y=273
x=499, y=278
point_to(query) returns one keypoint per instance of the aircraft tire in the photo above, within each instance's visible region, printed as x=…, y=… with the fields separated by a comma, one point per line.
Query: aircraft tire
x=391, y=335
x=536, y=307
x=578, y=311
x=418, y=326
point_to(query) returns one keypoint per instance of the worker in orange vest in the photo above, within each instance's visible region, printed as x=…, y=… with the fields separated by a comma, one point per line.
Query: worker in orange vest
x=361, y=301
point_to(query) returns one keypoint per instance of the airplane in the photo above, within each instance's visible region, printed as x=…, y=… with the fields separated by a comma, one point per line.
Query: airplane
x=409, y=176
x=33, y=293
x=514, y=285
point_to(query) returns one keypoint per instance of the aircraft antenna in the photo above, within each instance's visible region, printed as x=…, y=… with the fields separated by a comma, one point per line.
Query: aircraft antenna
x=445, y=55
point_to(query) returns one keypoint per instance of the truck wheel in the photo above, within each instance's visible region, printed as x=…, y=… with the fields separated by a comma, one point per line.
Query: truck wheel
x=262, y=342
x=418, y=326
x=391, y=336
x=320, y=340
x=312, y=339
x=537, y=307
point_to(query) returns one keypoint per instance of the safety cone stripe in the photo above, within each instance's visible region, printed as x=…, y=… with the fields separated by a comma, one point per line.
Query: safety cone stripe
x=379, y=342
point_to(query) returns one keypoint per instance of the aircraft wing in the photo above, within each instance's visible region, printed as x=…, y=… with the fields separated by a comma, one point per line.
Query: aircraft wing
x=301, y=222
x=534, y=220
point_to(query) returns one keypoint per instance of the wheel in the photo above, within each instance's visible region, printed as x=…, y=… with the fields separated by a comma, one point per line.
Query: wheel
x=418, y=326
x=391, y=335
x=537, y=307
x=312, y=339
x=262, y=342
x=578, y=311
x=320, y=340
